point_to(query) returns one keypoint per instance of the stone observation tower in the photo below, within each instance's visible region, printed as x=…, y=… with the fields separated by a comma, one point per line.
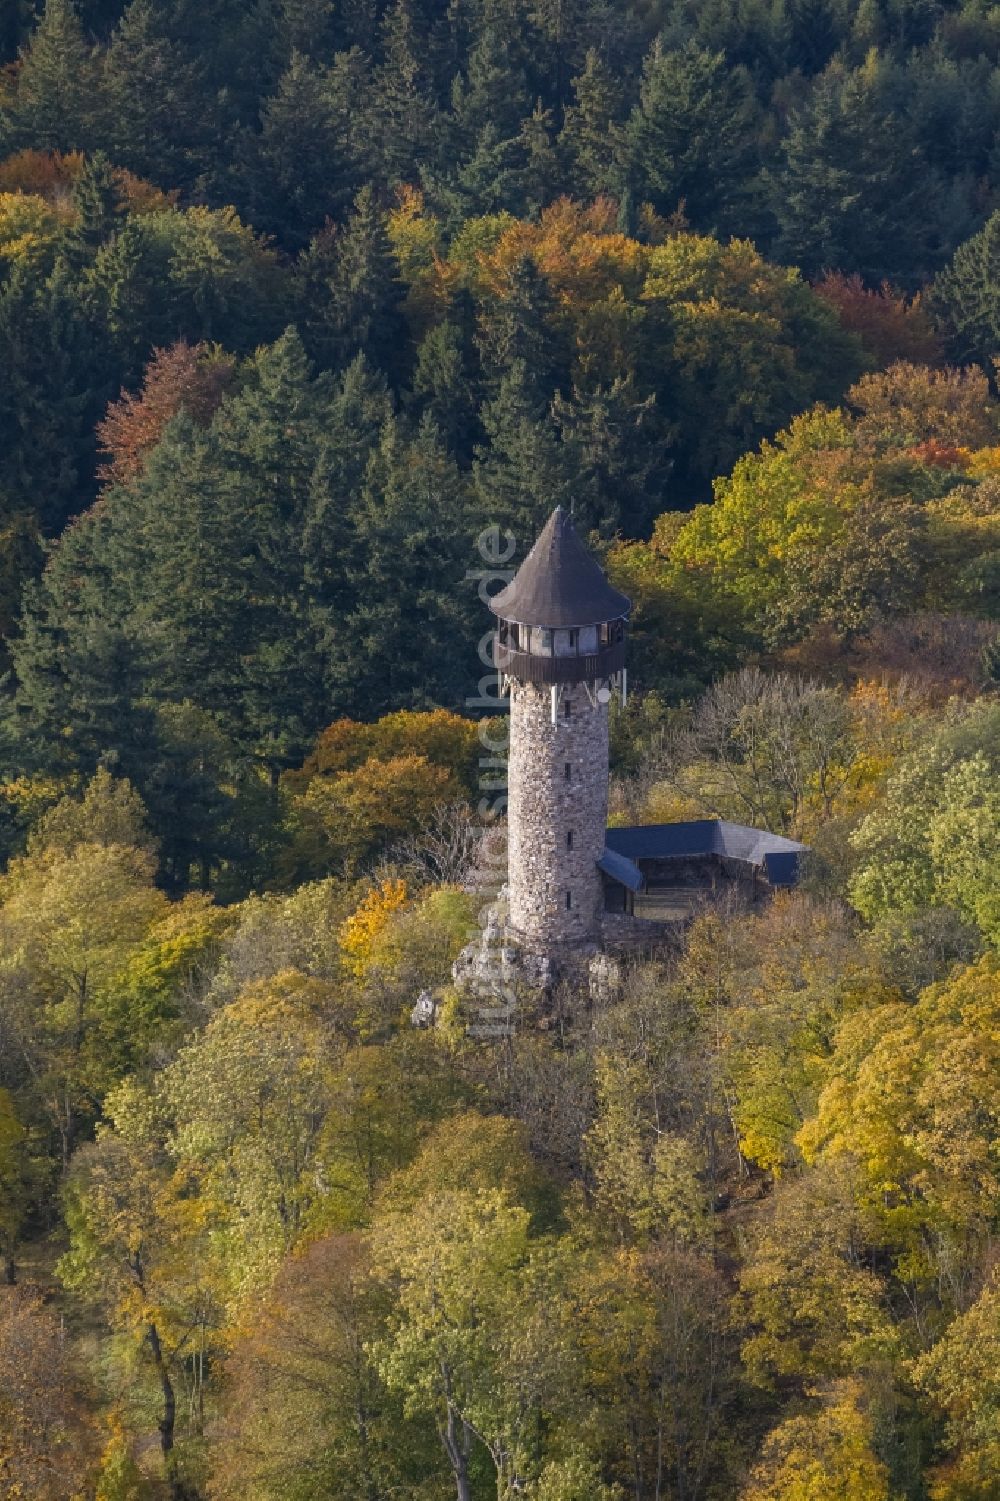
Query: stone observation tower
x=577, y=890
x=560, y=651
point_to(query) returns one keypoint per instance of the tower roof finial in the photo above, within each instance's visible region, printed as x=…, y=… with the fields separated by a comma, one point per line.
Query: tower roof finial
x=560, y=583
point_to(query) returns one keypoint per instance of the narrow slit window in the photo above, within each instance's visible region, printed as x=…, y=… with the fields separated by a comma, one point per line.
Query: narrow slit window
x=569, y=840
x=567, y=707
x=569, y=771
x=569, y=900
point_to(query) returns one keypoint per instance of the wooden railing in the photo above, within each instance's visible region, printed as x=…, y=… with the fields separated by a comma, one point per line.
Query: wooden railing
x=528, y=668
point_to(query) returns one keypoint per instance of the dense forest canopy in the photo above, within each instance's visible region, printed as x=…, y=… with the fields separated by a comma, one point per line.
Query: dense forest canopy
x=299, y=299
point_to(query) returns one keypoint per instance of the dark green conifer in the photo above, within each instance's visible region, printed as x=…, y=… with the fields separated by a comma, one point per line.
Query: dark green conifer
x=351, y=292
x=587, y=137
x=443, y=385
x=515, y=327
x=411, y=603
x=55, y=103
x=966, y=296
x=849, y=191
x=691, y=139
x=314, y=150
x=407, y=125
x=57, y=379
x=521, y=472
x=161, y=111
x=99, y=212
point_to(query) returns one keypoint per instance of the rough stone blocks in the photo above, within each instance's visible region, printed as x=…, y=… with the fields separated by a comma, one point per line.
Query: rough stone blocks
x=557, y=814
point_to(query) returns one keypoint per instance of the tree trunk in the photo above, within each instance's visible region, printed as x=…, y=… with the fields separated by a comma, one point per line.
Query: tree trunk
x=169, y=1417
x=457, y=1450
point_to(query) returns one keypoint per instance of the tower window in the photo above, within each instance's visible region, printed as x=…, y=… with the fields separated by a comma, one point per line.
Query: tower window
x=569, y=900
x=569, y=771
x=569, y=840
x=567, y=706
x=572, y=640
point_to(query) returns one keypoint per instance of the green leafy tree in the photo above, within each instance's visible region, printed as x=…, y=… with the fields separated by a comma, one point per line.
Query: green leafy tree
x=70, y=920
x=247, y=1098
x=931, y=841
x=812, y=1308
x=140, y=1253
x=47, y=1446
x=910, y=1096
x=305, y=1409
x=15, y=1183
x=477, y=1334
x=958, y=1375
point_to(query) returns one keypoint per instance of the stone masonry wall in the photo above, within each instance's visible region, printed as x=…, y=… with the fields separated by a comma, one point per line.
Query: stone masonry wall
x=545, y=806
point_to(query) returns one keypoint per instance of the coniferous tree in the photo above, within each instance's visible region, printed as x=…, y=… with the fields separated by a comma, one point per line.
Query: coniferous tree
x=411, y=604
x=568, y=31
x=618, y=445
x=521, y=472
x=126, y=289
x=221, y=587
x=407, y=125
x=160, y=108
x=849, y=190
x=690, y=140
x=314, y=151
x=307, y=27
x=443, y=385
x=351, y=292
x=815, y=32
x=80, y=677
x=494, y=93
x=55, y=104
x=355, y=419
x=515, y=327
x=58, y=377
x=99, y=213
x=15, y=22
x=587, y=136
x=966, y=296
x=537, y=174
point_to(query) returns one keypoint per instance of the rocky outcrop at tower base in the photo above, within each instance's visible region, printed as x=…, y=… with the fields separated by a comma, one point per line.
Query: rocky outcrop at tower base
x=498, y=964
x=501, y=971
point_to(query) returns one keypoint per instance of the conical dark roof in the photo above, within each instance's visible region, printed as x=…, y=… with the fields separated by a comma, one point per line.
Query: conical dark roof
x=559, y=583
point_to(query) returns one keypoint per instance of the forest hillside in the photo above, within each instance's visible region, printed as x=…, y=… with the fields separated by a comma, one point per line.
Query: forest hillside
x=304, y=304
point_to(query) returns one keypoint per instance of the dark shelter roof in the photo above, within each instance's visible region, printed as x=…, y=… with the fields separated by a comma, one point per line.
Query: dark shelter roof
x=709, y=836
x=560, y=583
x=621, y=869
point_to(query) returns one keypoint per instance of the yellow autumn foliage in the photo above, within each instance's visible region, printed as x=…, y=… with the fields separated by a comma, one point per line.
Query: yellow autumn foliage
x=362, y=930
